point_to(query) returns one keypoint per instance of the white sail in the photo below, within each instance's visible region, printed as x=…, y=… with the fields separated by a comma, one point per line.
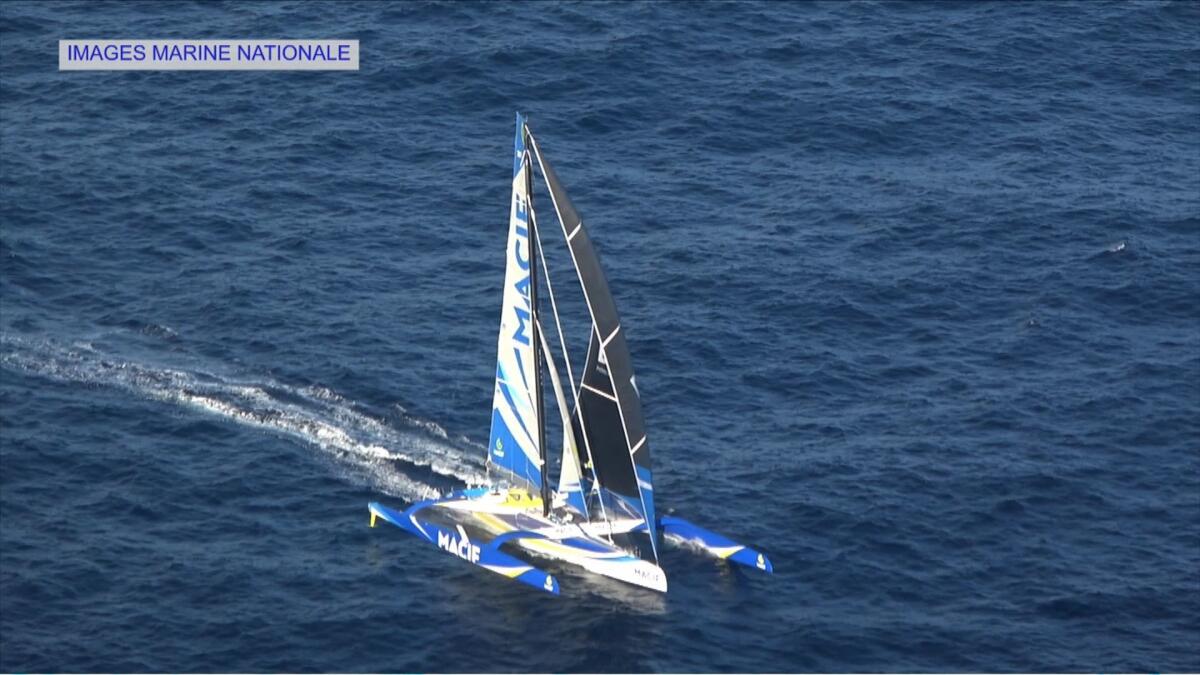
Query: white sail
x=570, y=488
x=513, y=443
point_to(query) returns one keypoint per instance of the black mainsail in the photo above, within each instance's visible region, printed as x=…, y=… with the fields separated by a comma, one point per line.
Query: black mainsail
x=619, y=448
x=597, y=415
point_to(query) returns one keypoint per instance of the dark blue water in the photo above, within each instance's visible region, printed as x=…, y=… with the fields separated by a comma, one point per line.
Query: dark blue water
x=912, y=291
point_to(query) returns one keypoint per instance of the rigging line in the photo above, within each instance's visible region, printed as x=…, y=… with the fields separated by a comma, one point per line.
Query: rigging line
x=554, y=305
x=579, y=409
x=537, y=152
x=534, y=328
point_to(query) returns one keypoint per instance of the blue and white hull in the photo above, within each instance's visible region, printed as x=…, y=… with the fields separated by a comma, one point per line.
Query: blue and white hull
x=499, y=517
x=503, y=517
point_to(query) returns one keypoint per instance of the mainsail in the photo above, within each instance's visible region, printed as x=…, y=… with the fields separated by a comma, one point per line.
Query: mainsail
x=623, y=467
x=513, y=445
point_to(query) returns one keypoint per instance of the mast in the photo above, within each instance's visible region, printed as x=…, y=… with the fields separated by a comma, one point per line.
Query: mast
x=536, y=330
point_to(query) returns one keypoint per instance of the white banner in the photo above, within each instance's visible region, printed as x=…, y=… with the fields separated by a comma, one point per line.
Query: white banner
x=208, y=54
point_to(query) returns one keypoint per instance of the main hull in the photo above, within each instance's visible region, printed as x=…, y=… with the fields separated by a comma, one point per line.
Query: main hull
x=475, y=524
x=571, y=542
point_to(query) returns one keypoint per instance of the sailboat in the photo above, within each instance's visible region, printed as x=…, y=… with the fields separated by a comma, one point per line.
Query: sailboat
x=601, y=514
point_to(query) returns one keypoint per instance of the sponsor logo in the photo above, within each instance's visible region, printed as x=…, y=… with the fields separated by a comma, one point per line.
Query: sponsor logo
x=649, y=575
x=761, y=564
x=460, y=546
x=549, y=585
x=560, y=532
x=521, y=255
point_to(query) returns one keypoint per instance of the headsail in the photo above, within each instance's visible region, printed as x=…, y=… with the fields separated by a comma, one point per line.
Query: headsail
x=513, y=443
x=570, y=485
x=628, y=471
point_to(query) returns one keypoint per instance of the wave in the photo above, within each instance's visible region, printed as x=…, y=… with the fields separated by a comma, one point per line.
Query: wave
x=365, y=446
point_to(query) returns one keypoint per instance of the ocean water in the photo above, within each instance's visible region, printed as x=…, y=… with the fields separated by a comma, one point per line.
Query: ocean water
x=912, y=292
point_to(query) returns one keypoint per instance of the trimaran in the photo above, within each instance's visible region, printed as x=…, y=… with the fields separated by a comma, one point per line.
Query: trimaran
x=601, y=516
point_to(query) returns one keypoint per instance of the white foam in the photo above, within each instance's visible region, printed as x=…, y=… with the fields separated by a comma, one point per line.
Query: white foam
x=694, y=545
x=366, y=447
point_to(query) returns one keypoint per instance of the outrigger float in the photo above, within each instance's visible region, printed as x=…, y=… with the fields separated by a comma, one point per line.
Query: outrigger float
x=601, y=516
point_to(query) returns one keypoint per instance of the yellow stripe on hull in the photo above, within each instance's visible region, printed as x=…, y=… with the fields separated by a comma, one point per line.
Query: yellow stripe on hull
x=726, y=551
x=545, y=545
x=615, y=563
x=510, y=572
x=495, y=524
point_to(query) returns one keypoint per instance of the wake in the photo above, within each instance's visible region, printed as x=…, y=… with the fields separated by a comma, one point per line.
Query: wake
x=365, y=448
